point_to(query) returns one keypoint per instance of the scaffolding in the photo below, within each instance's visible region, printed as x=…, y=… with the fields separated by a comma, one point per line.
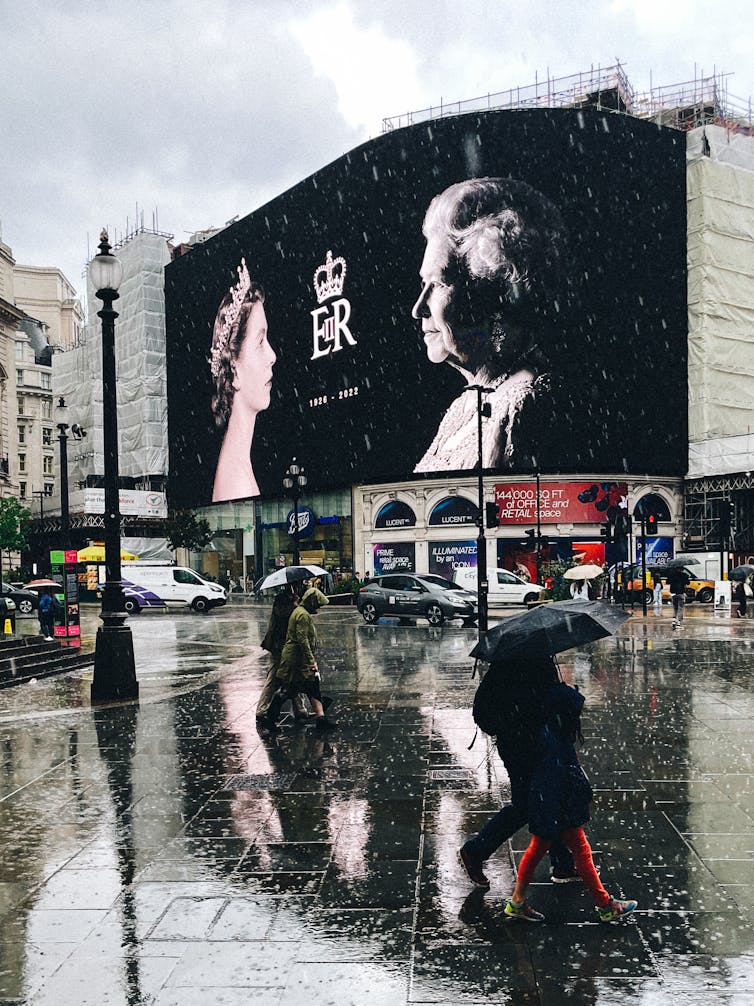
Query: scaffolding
x=697, y=102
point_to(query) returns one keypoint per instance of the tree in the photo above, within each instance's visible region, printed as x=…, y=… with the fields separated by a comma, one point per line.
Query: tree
x=14, y=519
x=185, y=531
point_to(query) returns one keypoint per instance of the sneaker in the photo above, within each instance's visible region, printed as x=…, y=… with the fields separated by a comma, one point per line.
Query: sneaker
x=615, y=911
x=473, y=868
x=566, y=876
x=522, y=911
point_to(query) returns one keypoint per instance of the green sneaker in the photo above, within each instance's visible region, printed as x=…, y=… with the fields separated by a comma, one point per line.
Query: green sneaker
x=616, y=911
x=522, y=911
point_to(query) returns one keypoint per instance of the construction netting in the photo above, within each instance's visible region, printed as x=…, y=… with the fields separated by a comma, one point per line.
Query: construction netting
x=720, y=192
x=140, y=361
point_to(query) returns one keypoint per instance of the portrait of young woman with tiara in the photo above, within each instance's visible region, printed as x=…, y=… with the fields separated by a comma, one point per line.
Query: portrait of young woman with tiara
x=241, y=363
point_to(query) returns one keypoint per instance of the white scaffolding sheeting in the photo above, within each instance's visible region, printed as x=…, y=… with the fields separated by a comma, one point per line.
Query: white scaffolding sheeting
x=720, y=193
x=140, y=361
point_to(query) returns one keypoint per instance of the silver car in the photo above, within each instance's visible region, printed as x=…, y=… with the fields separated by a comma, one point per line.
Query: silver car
x=416, y=595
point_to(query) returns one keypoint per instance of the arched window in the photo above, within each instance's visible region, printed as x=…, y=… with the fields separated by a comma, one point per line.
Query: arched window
x=453, y=510
x=652, y=503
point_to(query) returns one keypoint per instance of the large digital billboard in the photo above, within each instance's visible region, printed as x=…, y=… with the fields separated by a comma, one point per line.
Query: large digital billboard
x=538, y=254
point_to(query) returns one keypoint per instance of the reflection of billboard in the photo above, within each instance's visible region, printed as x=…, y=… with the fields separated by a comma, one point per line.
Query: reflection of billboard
x=299, y=331
x=445, y=557
x=389, y=558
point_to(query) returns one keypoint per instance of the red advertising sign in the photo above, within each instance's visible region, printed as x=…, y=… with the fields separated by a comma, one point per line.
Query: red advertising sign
x=559, y=502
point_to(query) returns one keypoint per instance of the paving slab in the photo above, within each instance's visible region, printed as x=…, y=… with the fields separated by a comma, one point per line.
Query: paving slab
x=169, y=853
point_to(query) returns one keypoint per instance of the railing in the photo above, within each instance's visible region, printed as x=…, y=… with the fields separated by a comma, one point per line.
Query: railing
x=680, y=106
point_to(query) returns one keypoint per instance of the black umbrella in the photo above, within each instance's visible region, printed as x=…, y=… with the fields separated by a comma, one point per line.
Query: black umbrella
x=550, y=629
x=291, y=574
x=676, y=563
x=741, y=572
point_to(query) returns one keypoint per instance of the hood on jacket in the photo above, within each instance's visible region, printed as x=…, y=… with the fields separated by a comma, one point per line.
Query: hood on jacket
x=314, y=599
x=563, y=706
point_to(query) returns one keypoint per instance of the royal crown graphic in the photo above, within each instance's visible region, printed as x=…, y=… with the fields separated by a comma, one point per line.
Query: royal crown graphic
x=329, y=278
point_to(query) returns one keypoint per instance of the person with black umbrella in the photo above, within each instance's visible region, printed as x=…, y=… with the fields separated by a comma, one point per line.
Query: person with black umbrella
x=516, y=690
x=509, y=705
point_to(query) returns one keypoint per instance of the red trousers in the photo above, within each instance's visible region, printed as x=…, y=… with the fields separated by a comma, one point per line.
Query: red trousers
x=576, y=841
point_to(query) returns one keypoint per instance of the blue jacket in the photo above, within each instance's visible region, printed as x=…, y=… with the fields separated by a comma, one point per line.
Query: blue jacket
x=560, y=794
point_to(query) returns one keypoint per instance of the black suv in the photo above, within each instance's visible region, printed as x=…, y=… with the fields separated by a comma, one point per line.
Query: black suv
x=411, y=595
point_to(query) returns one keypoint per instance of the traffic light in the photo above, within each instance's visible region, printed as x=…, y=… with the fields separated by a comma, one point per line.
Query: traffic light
x=606, y=532
x=651, y=524
x=727, y=518
x=531, y=534
x=491, y=515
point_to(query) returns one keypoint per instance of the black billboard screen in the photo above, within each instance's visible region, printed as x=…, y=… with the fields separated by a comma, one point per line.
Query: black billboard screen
x=539, y=254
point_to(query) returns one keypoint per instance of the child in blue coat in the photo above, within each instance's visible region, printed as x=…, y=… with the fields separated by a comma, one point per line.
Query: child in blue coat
x=559, y=799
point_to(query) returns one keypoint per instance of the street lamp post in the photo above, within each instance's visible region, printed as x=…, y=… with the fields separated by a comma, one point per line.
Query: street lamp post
x=294, y=481
x=483, y=410
x=114, y=668
x=65, y=518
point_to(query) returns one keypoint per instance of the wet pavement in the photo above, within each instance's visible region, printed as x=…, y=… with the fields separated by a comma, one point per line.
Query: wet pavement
x=168, y=853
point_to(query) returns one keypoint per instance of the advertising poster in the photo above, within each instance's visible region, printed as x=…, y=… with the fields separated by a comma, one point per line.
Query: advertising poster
x=659, y=551
x=343, y=322
x=445, y=557
x=570, y=502
x=392, y=558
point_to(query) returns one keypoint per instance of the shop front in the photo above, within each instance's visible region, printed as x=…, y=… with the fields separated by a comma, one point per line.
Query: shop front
x=323, y=527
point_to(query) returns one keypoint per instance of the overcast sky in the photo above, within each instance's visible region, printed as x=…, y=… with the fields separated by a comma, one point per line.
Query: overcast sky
x=206, y=110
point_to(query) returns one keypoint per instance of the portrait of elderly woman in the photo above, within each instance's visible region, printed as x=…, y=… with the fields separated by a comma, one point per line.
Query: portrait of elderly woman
x=492, y=282
x=241, y=364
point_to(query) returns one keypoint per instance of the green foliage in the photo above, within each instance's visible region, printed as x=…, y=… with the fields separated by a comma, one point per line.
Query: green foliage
x=14, y=520
x=185, y=531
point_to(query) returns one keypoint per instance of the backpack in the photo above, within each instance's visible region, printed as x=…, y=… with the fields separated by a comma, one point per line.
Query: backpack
x=488, y=703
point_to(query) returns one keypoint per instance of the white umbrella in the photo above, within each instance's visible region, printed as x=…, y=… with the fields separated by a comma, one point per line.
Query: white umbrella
x=586, y=572
x=291, y=574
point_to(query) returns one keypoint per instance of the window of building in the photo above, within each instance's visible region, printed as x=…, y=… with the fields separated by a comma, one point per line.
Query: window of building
x=22, y=462
x=46, y=436
x=22, y=490
x=46, y=408
x=20, y=404
x=49, y=488
x=22, y=435
x=47, y=464
x=19, y=352
x=45, y=381
x=19, y=377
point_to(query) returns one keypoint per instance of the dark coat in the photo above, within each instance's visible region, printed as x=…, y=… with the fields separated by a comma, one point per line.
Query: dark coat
x=282, y=609
x=516, y=689
x=559, y=794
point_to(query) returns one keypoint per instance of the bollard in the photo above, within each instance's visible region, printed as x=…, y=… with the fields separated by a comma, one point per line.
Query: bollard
x=7, y=628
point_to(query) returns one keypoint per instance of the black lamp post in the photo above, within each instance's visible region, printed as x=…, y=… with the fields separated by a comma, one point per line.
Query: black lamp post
x=294, y=481
x=65, y=518
x=114, y=668
x=483, y=410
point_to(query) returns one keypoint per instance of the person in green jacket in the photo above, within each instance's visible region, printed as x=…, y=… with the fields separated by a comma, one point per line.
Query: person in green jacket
x=298, y=670
x=274, y=640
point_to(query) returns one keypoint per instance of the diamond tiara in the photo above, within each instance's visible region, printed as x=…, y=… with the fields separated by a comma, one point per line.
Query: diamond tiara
x=230, y=315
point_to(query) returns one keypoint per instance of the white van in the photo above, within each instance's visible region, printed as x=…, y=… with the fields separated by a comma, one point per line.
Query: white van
x=177, y=585
x=504, y=587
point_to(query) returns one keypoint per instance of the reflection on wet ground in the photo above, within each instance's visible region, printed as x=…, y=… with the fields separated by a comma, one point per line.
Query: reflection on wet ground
x=169, y=853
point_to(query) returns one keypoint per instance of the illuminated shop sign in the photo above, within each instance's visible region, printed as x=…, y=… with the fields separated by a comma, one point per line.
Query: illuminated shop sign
x=395, y=514
x=453, y=510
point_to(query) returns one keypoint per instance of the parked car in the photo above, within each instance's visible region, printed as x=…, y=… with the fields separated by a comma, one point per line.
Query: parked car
x=416, y=595
x=7, y=604
x=26, y=601
x=505, y=587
